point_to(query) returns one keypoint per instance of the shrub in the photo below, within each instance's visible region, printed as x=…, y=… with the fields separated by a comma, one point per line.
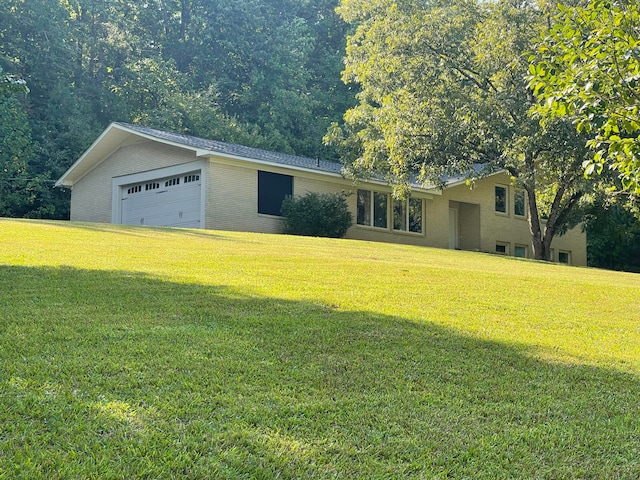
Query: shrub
x=317, y=215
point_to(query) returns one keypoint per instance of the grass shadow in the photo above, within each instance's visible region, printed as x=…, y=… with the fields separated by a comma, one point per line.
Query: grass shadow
x=121, y=375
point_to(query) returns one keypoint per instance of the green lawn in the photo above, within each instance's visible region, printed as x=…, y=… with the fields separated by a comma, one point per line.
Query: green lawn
x=157, y=353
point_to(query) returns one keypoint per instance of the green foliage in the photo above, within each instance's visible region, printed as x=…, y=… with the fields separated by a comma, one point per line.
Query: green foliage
x=16, y=152
x=613, y=237
x=294, y=357
x=443, y=88
x=587, y=68
x=11, y=84
x=317, y=215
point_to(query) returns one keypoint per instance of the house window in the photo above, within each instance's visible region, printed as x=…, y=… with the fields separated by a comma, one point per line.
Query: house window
x=520, y=251
x=501, y=199
x=372, y=209
x=502, y=248
x=519, y=208
x=564, y=257
x=191, y=178
x=172, y=181
x=364, y=207
x=272, y=190
x=407, y=215
x=380, y=209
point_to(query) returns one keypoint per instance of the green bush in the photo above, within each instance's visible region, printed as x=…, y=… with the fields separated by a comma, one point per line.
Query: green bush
x=317, y=215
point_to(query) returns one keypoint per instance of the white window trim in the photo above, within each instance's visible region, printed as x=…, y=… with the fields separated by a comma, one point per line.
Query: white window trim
x=117, y=184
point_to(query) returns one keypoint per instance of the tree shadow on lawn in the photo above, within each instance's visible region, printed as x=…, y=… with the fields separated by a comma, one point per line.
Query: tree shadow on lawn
x=120, y=375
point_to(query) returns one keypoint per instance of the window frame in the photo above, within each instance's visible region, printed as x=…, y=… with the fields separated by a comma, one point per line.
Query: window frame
x=516, y=193
x=368, y=213
x=505, y=245
x=407, y=222
x=523, y=247
x=562, y=253
x=506, y=199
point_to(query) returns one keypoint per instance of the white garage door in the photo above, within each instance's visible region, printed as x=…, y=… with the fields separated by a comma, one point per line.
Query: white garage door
x=168, y=202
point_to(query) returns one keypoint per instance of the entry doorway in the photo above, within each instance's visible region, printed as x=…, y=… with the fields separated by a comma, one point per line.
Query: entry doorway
x=464, y=226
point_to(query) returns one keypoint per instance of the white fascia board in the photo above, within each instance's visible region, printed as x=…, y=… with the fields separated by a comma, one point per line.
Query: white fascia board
x=63, y=181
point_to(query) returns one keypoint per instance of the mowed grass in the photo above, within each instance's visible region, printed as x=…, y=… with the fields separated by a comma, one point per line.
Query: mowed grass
x=157, y=353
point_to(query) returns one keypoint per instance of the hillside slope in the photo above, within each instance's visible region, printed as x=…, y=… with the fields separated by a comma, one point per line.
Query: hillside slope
x=158, y=353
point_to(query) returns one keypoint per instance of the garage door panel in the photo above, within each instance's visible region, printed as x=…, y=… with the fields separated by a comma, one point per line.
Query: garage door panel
x=170, y=201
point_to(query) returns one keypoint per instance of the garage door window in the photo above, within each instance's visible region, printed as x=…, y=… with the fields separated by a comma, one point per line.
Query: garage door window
x=272, y=190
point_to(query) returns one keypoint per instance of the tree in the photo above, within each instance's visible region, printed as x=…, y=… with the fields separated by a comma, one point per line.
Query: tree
x=587, y=68
x=11, y=84
x=443, y=88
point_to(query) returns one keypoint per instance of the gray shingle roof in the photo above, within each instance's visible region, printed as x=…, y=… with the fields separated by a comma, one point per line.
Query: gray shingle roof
x=238, y=150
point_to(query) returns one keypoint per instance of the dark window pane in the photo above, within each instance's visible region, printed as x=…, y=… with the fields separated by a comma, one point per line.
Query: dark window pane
x=399, y=215
x=518, y=203
x=272, y=190
x=380, y=209
x=501, y=199
x=415, y=215
x=364, y=207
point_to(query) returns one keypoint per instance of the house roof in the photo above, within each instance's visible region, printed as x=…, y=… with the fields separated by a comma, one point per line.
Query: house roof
x=121, y=134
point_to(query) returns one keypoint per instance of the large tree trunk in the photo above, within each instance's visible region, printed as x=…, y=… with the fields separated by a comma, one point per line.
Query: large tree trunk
x=540, y=239
x=542, y=236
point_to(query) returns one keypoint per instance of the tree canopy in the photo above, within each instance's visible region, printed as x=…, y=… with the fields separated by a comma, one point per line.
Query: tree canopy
x=587, y=68
x=443, y=88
